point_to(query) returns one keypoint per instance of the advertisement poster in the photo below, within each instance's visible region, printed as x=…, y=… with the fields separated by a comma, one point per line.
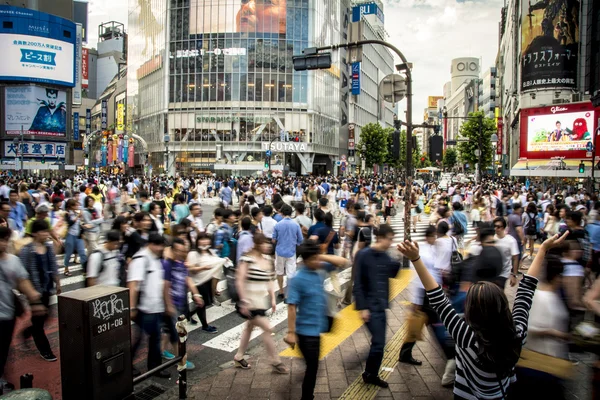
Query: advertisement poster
x=36, y=47
x=88, y=122
x=104, y=115
x=77, y=88
x=563, y=130
x=550, y=43
x=34, y=148
x=244, y=16
x=76, y=126
x=120, y=117
x=432, y=101
x=356, y=78
x=85, y=55
x=40, y=111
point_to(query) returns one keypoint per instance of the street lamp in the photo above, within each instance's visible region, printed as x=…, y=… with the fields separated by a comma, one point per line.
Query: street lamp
x=363, y=161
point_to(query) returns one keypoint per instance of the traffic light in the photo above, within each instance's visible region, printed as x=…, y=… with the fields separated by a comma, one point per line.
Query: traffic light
x=422, y=159
x=436, y=129
x=43, y=159
x=581, y=168
x=311, y=59
x=267, y=162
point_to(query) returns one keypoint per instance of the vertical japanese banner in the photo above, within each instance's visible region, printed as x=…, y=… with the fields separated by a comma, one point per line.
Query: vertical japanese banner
x=78, y=46
x=115, y=140
x=109, y=152
x=104, y=155
x=120, y=117
x=130, y=156
x=120, y=148
x=88, y=122
x=104, y=115
x=125, y=149
x=76, y=126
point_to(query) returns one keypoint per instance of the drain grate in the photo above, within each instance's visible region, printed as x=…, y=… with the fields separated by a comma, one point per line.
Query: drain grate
x=150, y=392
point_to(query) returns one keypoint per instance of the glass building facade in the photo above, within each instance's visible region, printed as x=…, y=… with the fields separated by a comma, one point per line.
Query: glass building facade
x=217, y=77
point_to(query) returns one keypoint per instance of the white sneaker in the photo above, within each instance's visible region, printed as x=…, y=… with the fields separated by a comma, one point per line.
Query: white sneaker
x=449, y=373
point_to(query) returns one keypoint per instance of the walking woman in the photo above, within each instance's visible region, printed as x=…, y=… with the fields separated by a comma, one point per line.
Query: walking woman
x=74, y=219
x=489, y=338
x=389, y=204
x=255, y=276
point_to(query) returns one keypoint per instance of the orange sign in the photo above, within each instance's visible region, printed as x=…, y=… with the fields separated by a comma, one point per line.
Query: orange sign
x=432, y=102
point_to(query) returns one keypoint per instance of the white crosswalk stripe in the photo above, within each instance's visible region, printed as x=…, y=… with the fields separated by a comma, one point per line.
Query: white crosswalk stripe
x=225, y=314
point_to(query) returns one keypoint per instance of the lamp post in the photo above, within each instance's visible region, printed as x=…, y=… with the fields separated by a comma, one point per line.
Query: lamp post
x=363, y=159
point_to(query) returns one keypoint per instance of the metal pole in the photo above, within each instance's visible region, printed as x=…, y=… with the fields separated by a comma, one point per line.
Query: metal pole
x=480, y=149
x=593, y=189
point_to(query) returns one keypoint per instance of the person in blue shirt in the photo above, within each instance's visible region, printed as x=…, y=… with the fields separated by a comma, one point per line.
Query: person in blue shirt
x=18, y=213
x=593, y=229
x=224, y=234
x=373, y=269
x=307, y=309
x=320, y=217
x=286, y=236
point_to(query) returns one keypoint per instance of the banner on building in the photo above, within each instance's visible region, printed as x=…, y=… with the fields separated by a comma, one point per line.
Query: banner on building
x=470, y=97
x=131, y=156
x=76, y=126
x=88, y=122
x=550, y=44
x=104, y=115
x=85, y=59
x=120, y=117
x=40, y=111
x=432, y=101
x=35, y=148
x=78, y=43
x=356, y=78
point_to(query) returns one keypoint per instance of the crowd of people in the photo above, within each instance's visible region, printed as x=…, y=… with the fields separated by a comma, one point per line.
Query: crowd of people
x=275, y=240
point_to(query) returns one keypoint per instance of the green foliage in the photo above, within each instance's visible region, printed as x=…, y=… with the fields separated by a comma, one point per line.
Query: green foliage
x=476, y=137
x=422, y=163
x=450, y=158
x=375, y=140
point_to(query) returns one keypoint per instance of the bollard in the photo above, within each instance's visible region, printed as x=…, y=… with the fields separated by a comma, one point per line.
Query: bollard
x=26, y=381
x=181, y=367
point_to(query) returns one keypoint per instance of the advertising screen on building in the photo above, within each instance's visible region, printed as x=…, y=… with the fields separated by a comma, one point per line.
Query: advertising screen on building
x=40, y=111
x=36, y=47
x=550, y=43
x=562, y=130
x=226, y=16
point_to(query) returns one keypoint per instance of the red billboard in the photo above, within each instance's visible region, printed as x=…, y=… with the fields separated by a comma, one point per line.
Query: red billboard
x=85, y=53
x=562, y=130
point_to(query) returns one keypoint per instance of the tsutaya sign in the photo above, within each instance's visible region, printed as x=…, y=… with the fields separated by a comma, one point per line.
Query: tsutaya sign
x=286, y=146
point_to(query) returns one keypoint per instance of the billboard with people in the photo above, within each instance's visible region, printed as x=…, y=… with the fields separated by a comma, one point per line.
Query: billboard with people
x=562, y=130
x=39, y=111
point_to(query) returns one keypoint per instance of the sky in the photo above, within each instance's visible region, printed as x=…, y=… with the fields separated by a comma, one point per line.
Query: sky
x=430, y=33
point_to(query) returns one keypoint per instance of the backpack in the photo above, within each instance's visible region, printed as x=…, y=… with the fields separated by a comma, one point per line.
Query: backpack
x=530, y=228
x=122, y=270
x=229, y=249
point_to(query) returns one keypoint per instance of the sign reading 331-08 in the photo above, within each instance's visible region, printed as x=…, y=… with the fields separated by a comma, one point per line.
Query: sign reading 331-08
x=36, y=47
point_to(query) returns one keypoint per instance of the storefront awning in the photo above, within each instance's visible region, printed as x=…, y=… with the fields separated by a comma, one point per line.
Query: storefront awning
x=551, y=168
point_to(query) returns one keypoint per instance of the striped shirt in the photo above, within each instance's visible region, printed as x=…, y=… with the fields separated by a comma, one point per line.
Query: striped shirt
x=472, y=381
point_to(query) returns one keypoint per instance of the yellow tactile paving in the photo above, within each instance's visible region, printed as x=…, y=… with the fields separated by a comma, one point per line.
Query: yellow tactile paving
x=348, y=320
x=357, y=389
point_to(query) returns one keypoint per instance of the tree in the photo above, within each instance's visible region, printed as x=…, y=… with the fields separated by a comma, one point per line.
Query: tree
x=422, y=161
x=477, y=130
x=375, y=140
x=450, y=158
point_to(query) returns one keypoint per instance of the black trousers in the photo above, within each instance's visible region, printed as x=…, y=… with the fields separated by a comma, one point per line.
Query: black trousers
x=7, y=328
x=376, y=325
x=37, y=328
x=310, y=346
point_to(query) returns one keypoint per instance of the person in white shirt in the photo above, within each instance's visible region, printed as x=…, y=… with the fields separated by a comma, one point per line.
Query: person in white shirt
x=145, y=280
x=104, y=265
x=4, y=190
x=195, y=218
x=301, y=219
x=343, y=195
x=267, y=224
x=509, y=248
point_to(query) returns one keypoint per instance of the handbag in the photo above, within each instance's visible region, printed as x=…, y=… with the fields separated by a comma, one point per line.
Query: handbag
x=418, y=210
x=393, y=211
x=554, y=366
x=417, y=319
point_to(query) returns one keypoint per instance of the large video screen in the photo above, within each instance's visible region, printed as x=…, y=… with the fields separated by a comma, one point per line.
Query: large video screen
x=560, y=132
x=227, y=16
x=37, y=110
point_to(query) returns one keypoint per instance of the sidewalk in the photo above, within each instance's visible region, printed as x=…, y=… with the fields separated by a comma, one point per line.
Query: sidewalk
x=339, y=372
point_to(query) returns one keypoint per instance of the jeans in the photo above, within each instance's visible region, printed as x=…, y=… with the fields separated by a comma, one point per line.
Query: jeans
x=376, y=325
x=73, y=242
x=149, y=324
x=37, y=328
x=6, y=331
x=310, y=346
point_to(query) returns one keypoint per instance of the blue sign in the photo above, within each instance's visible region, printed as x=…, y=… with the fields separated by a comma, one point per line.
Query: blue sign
x=36, y=47
x=589, y=146
x=269, y=152
x=76, y=126
x=356, y=78
x=88, y=122
x=366, y=9
x=104, y=115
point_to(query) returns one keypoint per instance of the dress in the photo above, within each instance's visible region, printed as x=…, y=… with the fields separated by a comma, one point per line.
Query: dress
x=260, y=274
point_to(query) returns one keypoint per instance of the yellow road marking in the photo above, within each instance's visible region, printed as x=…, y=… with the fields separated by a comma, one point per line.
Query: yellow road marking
x=348, y=320
x=358, y=390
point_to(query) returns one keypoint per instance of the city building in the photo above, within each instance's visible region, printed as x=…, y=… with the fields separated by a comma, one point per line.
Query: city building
x=460, y=95
x=546, y=119
x=212, y=87
x=366, y=104
x=39, y=83
x=487, y=93
x=592, y=42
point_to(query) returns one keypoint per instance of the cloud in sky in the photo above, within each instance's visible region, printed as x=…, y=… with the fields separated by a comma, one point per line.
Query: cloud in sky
x=431, y=33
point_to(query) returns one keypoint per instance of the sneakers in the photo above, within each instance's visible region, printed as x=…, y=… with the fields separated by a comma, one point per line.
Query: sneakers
x=449, y=373
x=190, y=365
x=168, y=355
x=193, y=321
x=210, y=329
x=374, y=380
x=50, y=357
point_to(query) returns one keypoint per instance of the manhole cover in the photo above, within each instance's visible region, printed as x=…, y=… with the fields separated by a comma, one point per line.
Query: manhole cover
x=150, y=392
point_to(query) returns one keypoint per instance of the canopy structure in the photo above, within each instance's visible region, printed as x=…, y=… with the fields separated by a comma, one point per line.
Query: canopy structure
x=551, y=168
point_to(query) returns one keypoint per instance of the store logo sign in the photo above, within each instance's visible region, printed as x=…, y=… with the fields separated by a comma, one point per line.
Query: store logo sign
x=558, y=109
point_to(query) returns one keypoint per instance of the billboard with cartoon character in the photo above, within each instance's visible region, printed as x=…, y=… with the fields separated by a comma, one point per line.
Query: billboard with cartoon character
x=561, y=130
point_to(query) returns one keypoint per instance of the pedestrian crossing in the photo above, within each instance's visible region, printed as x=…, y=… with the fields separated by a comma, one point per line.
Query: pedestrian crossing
x=224, y=314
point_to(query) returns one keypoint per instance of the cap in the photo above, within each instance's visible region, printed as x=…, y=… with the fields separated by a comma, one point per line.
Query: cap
x=580, y=207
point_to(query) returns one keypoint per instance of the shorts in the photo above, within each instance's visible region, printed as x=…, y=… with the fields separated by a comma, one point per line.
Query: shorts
x=285, y=266
x=253, y=313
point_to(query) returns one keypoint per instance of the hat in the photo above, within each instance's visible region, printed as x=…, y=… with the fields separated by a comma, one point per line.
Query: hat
x=42, y=208
x=580, y=207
